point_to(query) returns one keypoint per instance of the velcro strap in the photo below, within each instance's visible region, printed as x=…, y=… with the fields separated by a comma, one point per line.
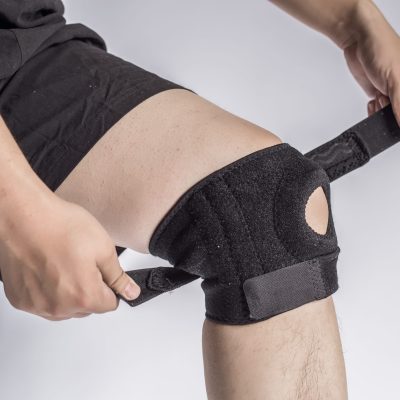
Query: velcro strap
x=290, y=287
x=155, y=281
x=358, y=144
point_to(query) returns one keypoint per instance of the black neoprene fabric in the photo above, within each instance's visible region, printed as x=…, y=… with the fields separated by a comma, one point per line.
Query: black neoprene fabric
x=245, y=220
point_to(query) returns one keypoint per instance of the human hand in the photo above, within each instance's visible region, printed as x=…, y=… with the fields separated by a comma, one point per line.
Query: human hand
x=373, y=56
x=58, y=262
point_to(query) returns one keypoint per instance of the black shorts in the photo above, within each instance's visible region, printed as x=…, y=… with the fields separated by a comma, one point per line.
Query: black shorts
x=62, y=101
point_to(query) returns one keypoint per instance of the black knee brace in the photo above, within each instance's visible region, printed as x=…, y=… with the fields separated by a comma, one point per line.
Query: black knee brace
x=243, y=230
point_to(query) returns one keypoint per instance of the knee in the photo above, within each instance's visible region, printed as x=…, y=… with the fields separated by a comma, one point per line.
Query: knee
x=260, y=234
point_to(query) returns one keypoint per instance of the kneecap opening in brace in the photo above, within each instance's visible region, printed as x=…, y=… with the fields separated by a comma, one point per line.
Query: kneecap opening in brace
x=317, y=211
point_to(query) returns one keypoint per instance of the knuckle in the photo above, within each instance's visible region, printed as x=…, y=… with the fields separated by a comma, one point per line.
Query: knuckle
x=84, y=301
x=116, y=304
x=81, y=315
x=81, y=300
x=89, y=299
x=111, y=306
x=53, y=310
x=55, y=318
x=49, y=318
x=109, y=302
x=17, y=303
x=88, y=295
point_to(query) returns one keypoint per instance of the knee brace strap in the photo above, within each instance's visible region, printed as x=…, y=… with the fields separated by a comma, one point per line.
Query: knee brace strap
x=358, y=144
x=243, y=230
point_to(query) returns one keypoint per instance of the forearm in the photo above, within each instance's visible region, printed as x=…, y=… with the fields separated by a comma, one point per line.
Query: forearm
x=340, y=20
x=19, y=185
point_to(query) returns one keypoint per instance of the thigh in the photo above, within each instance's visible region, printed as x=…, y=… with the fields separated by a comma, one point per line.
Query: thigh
x=134, y=174
x=64, y=98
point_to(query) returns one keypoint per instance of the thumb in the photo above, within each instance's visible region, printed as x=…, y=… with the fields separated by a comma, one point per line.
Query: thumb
x=116, y=278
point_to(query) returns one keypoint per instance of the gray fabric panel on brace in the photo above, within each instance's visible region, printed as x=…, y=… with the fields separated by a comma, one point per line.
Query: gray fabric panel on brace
x=290, y=287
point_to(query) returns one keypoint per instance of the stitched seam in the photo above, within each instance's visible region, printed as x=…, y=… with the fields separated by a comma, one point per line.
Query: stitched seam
x=276, y=222
x=199, y=234
x=19, y=46
x=314, y=278
x=249, y=237
x=229, y=246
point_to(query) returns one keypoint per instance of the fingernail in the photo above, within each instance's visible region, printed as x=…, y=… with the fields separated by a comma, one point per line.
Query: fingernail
x=131, y=291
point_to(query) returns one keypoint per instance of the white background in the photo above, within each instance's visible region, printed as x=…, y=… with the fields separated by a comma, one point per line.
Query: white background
x=257, y=62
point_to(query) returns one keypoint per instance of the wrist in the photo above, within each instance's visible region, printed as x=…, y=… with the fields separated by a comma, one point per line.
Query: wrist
x=357, y=22
x=19, y=200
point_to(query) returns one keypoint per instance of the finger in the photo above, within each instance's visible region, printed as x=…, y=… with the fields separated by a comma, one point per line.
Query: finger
x=394, y=95
x=109, y=301
x=371, y=107
x=376, y=104
x=377, y=101
x=116, y=278
x=380, y=101
x=384, y=100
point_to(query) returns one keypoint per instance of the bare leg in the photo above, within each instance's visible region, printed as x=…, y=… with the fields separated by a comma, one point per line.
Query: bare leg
x=129, y=181
x=295, y=355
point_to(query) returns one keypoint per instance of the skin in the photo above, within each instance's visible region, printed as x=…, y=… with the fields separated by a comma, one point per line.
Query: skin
x=119, y=199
